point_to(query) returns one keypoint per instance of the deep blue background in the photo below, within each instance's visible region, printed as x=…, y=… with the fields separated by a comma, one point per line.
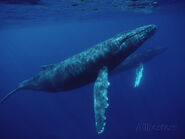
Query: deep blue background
x=158, y=100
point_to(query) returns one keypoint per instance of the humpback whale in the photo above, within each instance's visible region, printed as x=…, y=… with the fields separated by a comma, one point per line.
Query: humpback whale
x=137, y=60
x=141, y=57
x=93, y=64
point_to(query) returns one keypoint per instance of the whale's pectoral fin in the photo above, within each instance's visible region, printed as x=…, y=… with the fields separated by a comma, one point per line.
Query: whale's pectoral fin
x=100, y=99
x=46, y=67
x=139, y=75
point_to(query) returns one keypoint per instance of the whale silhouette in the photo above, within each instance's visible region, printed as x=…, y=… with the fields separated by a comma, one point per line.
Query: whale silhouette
x=141, y=57
x=94, y=64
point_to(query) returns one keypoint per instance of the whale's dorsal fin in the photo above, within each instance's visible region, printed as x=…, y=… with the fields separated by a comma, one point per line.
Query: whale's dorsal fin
x=47, y=67
x=100, y=99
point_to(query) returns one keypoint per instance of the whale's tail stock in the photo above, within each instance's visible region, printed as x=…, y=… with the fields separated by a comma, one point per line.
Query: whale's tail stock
x=26, y=84
x=9, y=94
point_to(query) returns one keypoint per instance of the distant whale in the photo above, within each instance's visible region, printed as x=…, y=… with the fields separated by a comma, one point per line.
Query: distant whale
x=141, y=57
x=94, y=64
x=137, y=60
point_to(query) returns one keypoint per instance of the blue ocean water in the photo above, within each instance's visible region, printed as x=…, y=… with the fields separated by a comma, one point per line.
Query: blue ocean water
x=35, y=35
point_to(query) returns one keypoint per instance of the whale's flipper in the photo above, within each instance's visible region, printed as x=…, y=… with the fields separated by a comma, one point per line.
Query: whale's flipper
x=9, y=94
x=100, y=99
x=139, y=75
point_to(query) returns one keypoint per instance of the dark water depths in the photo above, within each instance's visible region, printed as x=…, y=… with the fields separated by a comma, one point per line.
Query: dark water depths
x=35, y=35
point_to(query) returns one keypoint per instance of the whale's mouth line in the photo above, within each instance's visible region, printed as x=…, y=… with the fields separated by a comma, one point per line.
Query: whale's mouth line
x=129, y=36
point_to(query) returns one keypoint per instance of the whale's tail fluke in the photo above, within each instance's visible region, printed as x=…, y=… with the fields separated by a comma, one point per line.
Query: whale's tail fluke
x=9, y=94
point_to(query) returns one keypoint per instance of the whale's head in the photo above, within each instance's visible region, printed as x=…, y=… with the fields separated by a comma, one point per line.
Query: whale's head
x=124, y=44
x=134, y=38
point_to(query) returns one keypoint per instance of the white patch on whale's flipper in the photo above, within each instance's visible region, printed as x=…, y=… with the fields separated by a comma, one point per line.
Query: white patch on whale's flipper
x=101, y=99
x=139, y=75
